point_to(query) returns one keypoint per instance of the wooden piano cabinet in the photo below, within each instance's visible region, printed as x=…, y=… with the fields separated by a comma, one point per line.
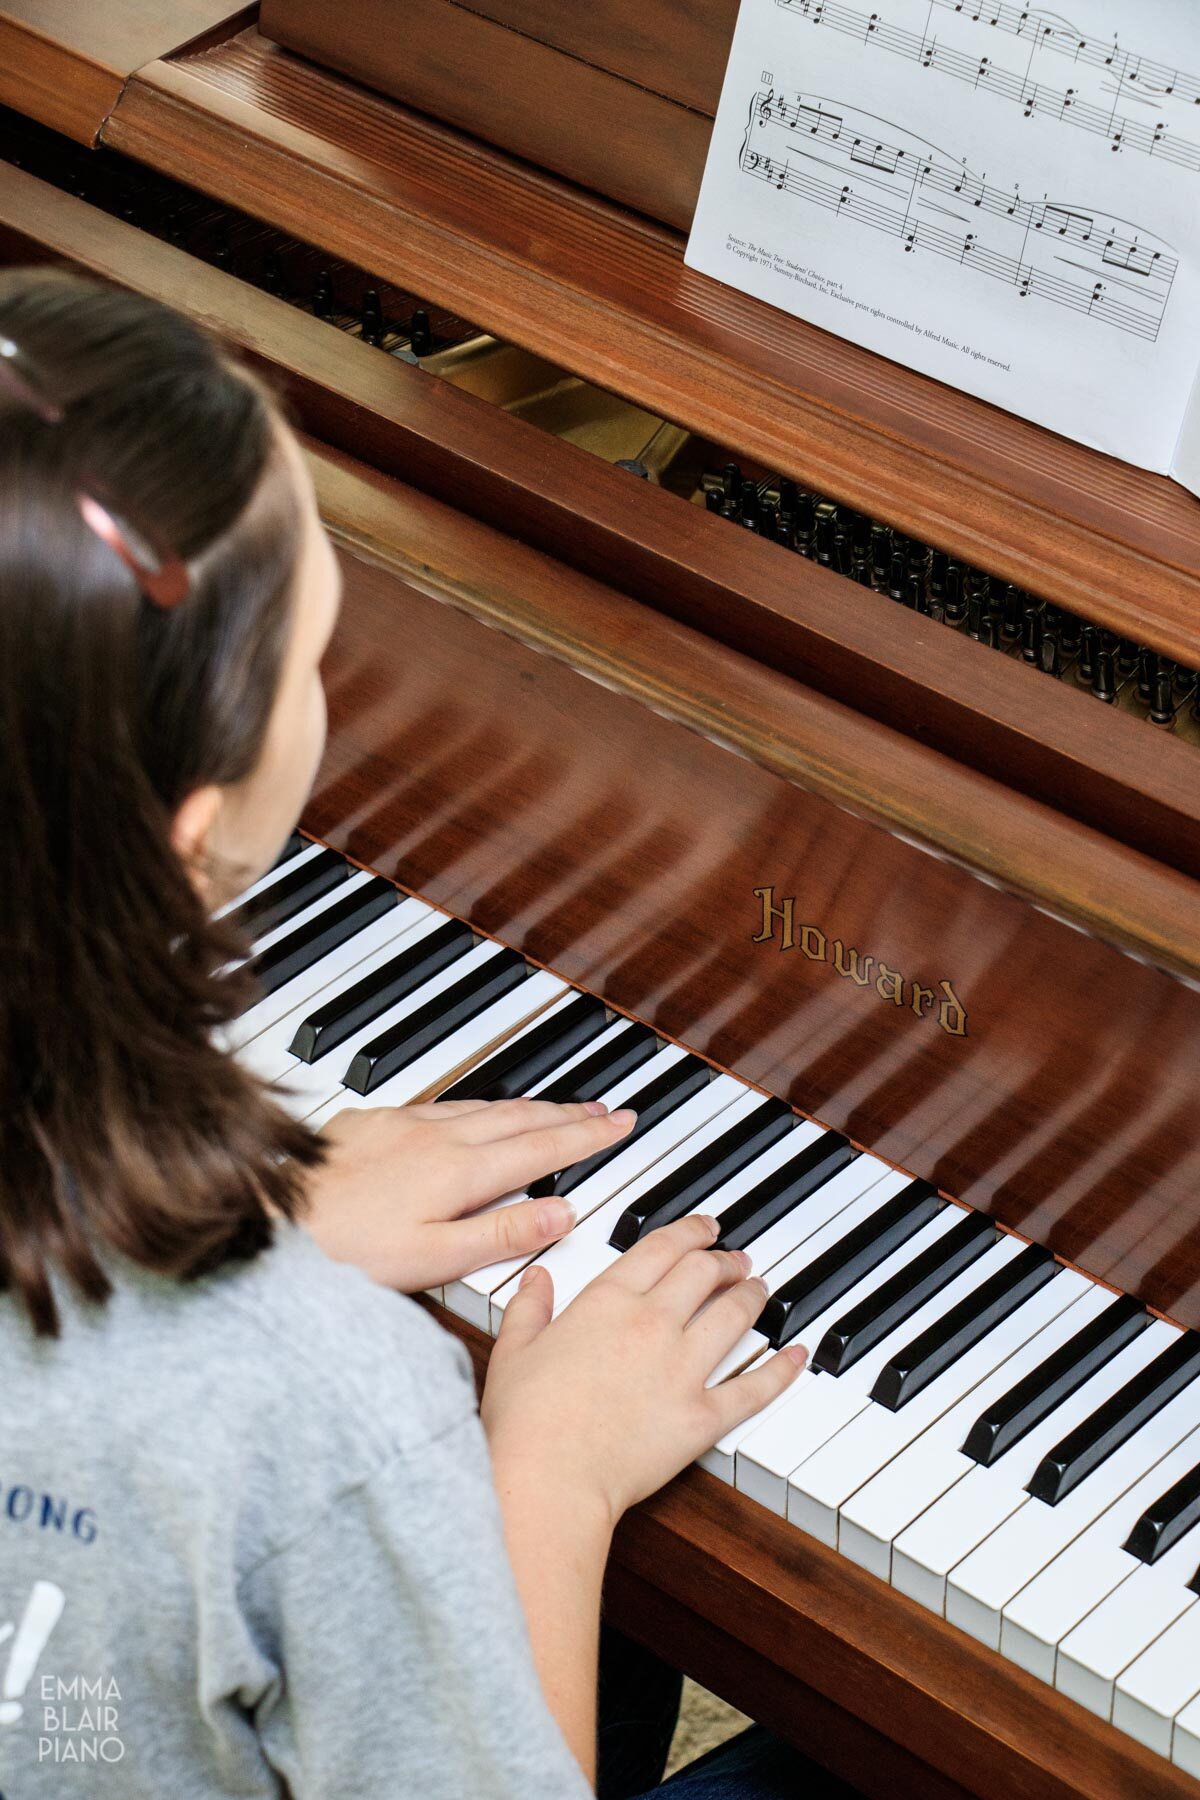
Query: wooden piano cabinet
x=605, y=293
x=64, y=62
x=747, y=866
x=674, y=48
x=980, y=709
x=893, y=1700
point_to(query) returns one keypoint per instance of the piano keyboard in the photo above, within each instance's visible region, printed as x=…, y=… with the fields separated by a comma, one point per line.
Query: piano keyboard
x=995, y=1435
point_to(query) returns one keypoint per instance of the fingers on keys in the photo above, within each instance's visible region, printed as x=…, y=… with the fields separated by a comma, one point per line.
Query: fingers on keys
x=485, y=1121
x=746, y=1394
x=569, y=1134
x=646, y=1263
x=698, y=1275
x=483, y=1238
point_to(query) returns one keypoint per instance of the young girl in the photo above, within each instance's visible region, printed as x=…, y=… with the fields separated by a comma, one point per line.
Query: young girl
x=254, y=1537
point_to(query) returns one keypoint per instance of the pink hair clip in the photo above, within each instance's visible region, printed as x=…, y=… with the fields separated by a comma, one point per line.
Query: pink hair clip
x=164, y=581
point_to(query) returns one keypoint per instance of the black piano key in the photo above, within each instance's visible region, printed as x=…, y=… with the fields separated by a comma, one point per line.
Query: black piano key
x=517, y=1067
x=651, y=1104
x=300, y=949
x=784, y=1188
x=1166, y=1519
x=401, y=1044
x=347, y=1012
x=854, y=1255
x=898, y=1298
x=1096, y=1437
x=281, y=900
x=1010, y=1416
x=594, y=1075
x=913, y=1368
x=295, y=844
x=702, y=1174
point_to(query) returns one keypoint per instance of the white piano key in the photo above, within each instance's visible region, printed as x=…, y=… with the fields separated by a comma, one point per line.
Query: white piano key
x=824, y=1482
x=574, y=1259
x=446, y=1059
x=979, y=1504
x=1037, y=1619
x=1185, y=1739
x=982, y=1585
x=357, y=878
x=268, y=1053
x=1093, y=1655
x=874, y=1517
x=819, y=1409
x=1132, y=1616
x=305, y=1086
x=469, y=1296
x=846, y=1194
x=600, y=1042
x=1159, y=1682
x=778, y=1241
x=802, y=1221
x=295, y=996
x=585, y=1249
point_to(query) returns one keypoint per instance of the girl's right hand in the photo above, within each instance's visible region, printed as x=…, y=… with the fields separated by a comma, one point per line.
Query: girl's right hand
x=607, y=1402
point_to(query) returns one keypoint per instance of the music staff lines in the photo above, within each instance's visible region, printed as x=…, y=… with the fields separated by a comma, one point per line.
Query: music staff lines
x=1067, y=106
x=1047, y=32
x=889, y=184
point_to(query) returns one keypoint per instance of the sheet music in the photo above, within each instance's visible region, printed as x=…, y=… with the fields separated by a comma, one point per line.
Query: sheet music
x=1004, y=197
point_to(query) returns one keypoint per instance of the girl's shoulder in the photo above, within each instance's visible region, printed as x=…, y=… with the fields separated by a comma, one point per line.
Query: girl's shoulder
x=326, y=1338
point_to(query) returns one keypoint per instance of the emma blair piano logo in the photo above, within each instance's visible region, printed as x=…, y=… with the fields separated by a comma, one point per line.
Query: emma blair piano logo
x=940, y=1004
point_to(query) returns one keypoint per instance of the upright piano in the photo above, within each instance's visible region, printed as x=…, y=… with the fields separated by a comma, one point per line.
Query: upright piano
x=817, y=738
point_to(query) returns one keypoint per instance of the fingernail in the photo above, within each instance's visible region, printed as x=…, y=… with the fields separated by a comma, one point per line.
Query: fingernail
x=595, y=1107
x=743, y=1261
x=555, y=1218
x=756, y=1281
x=798, y=1354
x=624, y=1118
x=528, y=1276
x=709, y=1223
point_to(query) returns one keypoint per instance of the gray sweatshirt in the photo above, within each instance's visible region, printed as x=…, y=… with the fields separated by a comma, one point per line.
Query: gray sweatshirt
x=248, y=1537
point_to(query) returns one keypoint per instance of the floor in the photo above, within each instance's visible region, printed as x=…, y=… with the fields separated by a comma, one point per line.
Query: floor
x=704, y=1722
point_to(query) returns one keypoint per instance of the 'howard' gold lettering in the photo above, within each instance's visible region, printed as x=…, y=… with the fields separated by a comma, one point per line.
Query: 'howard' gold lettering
x=845, y=961
x=770, y=912
x=940, y=1004
x=951, y=1016
x=889, y=985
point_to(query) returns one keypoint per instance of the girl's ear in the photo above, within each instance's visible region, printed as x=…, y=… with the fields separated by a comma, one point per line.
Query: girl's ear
x=192, y=835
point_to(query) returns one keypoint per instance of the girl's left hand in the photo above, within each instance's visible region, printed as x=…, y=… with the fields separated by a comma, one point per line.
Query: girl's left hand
x=401, y=1191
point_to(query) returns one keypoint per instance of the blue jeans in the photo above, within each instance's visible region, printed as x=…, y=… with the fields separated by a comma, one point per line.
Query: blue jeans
x=754, y=1766
x=639, y=1707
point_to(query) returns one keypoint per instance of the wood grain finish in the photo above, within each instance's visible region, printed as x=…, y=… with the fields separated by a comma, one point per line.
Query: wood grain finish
x=598, y=292
x=621, y=140
x=802, y=1637
x=982, y=710
x=566, y=780
x=605, y=789
x=671, y=47
x=64, y=62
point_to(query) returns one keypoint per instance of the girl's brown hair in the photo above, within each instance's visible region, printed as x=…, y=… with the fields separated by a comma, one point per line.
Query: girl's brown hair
x=123, y=1125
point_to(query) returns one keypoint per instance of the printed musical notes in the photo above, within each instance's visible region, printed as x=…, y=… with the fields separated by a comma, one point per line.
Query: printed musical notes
x=1126, y=76
x=999, y=195
x=1041, y=249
